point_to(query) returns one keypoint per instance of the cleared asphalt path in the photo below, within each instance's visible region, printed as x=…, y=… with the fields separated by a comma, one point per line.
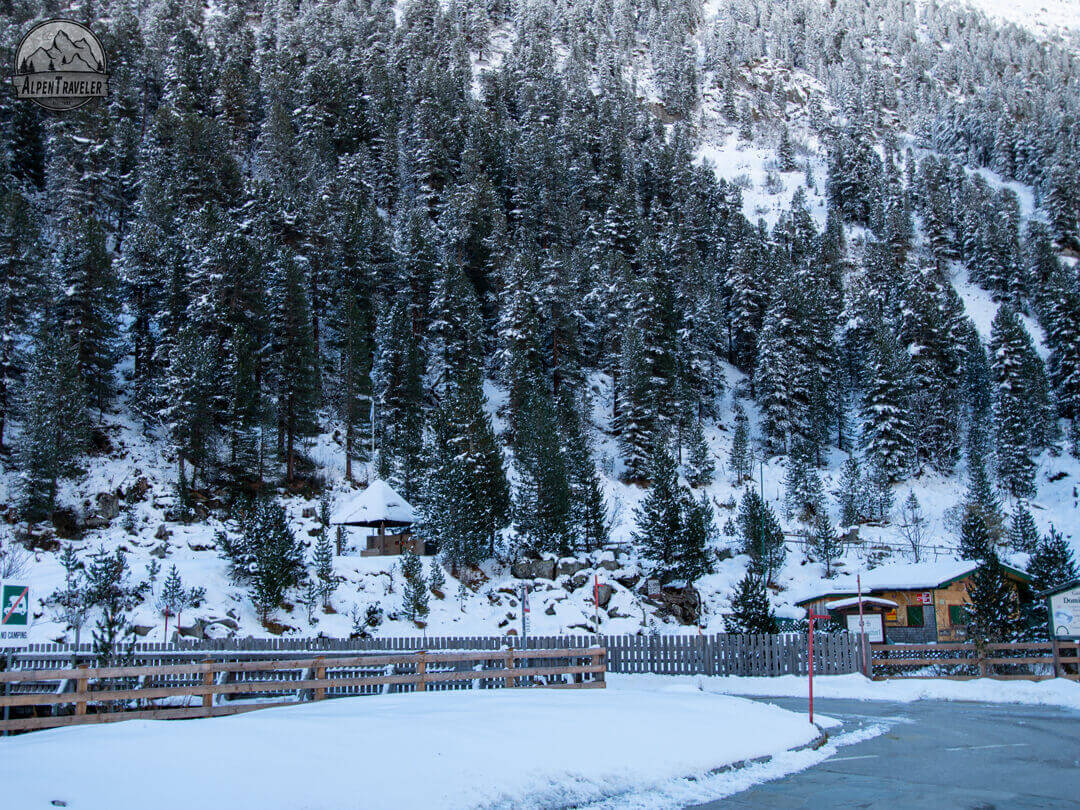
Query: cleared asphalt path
x=935, y=754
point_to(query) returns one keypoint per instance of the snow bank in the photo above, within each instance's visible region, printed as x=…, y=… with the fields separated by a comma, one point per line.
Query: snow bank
x=498, y=748
x=1056, y=692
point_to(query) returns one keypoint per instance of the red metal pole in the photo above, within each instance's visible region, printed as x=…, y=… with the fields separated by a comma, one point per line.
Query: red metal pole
x=811, y=669
x=862, y=627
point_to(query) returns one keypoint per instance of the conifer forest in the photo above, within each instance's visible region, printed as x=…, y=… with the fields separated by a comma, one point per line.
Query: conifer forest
x=719, y=296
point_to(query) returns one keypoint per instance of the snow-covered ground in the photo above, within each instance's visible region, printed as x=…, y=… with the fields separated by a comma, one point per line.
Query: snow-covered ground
x=1056, y=692
x=462, y=749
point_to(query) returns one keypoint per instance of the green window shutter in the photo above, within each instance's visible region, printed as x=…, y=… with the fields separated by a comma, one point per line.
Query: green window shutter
x=915, y=616
x=958, y=615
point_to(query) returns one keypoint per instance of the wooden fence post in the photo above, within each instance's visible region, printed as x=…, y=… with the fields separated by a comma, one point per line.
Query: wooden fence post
x=80, y=688
x=320, y=675
x=421, y=670
x=208, y=680
x=511, y=681
x=597, y=659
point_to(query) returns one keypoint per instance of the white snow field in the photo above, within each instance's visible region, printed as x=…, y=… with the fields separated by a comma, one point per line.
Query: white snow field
x=1055, y=692
x=462, y=749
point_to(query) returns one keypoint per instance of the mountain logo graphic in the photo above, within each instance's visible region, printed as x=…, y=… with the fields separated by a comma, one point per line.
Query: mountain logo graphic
x=60, y=65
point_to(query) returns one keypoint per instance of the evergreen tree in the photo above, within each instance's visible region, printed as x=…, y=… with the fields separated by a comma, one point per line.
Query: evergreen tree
x=826, y=544
x=109, y=588
x=53, y=415
x=761, y=535
x=994, y=613
x=750, y=608
x=696, y=534
x=740, y=459
x=324, y=566
x=266, y=556
x=72, y=602
x=658, y=516
x=886, y=427
x=1023, y=534
x=415, y=593
x=700, y=466
x=852, y=495
x=295, y=370
x=1052, y=563
x=437, y=579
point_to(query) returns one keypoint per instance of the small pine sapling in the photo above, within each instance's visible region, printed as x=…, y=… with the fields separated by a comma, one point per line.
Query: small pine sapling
x=414, y=593
x=437, y=579
x=324, y=567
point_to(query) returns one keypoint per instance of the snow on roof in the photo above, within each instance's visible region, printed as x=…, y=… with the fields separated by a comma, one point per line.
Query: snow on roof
x=894, y=577
x=853, y=601
x=377, y=503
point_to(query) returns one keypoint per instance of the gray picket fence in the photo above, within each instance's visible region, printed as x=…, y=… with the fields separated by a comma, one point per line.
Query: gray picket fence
x=713, y=654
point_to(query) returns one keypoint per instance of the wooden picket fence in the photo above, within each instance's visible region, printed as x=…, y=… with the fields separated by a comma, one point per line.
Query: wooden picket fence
x=46, y=698
x=1030, y=661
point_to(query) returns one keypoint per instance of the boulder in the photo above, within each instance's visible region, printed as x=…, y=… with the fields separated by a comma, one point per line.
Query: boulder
x=680, y=601
x=137, y=491
x=568, y=567
x=95, y=522
x=161, y=552
x=525, y=568
x=610, y=565
x=141, y=630
x=724, y=554
x=108, y=505
x=577, y=581
x=162, y=532
x=603, y=594
x=629, y=581
x=550, y=609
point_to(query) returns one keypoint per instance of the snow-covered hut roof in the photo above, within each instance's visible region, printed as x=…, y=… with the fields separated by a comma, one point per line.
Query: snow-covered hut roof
x=853, y=601
x=897, y=577
x=376, y=504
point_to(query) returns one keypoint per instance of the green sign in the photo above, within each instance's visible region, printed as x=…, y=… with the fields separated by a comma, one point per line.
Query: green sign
x=15, y=606
x=14, y=614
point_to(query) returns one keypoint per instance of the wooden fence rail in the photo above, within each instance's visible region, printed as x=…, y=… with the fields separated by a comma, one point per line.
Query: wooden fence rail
x=1033, y=661
x=109, y=694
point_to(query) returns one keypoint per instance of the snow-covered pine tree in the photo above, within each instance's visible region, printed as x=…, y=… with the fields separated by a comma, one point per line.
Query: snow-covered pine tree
x=1023, y=533
x=761, y=536
x=740, y=460
x=827, y=546
x=887, y=431
x=700, y=466
x=635, y=419
x=588, y=504
x=294, y=366
x=658, y=516
x=852, y=496
x=696, y=535
x=415, y=593
x=750, y=608
x=437, y=579
x=323, y=559
x=994, y=615
x=53, y=414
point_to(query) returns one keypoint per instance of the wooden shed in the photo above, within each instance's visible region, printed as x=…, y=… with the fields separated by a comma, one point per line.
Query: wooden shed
x=931, y=598
x=379, y=507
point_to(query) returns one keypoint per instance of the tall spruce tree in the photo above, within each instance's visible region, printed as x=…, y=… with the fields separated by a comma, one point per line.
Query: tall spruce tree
x=750, y=608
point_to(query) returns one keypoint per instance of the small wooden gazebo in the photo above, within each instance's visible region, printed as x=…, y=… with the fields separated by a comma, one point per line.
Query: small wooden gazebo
x=380, y=507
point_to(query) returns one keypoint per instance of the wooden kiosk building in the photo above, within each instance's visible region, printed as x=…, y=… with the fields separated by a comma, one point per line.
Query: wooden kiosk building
x=379, y=507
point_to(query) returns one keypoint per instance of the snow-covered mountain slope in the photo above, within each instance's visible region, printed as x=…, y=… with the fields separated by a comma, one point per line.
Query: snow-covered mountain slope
x=126, y=497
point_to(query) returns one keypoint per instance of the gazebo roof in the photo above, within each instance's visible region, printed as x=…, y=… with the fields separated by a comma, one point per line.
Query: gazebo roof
x=374, y=505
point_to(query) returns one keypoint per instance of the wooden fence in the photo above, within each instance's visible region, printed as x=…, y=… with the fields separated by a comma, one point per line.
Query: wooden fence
x=712, y=654
x=1031, y=661
x=59, y=697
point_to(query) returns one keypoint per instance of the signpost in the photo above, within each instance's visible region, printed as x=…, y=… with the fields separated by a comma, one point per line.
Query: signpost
x=813, y=617
x=1063, y=606
x=14, y=620
x=525, y=616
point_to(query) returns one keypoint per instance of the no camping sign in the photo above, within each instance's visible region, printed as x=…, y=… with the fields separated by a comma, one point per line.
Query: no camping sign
x=14, y=614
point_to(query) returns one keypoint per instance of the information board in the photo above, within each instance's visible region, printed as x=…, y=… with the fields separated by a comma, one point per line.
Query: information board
x=872, y=625
x=1065, y=613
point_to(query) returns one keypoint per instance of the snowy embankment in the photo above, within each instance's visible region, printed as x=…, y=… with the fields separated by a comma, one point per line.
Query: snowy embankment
x=1056, y=692
x=491, y=748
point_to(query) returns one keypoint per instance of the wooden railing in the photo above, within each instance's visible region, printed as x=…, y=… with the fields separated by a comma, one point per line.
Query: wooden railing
x=1031, y=661
x=109, y=694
